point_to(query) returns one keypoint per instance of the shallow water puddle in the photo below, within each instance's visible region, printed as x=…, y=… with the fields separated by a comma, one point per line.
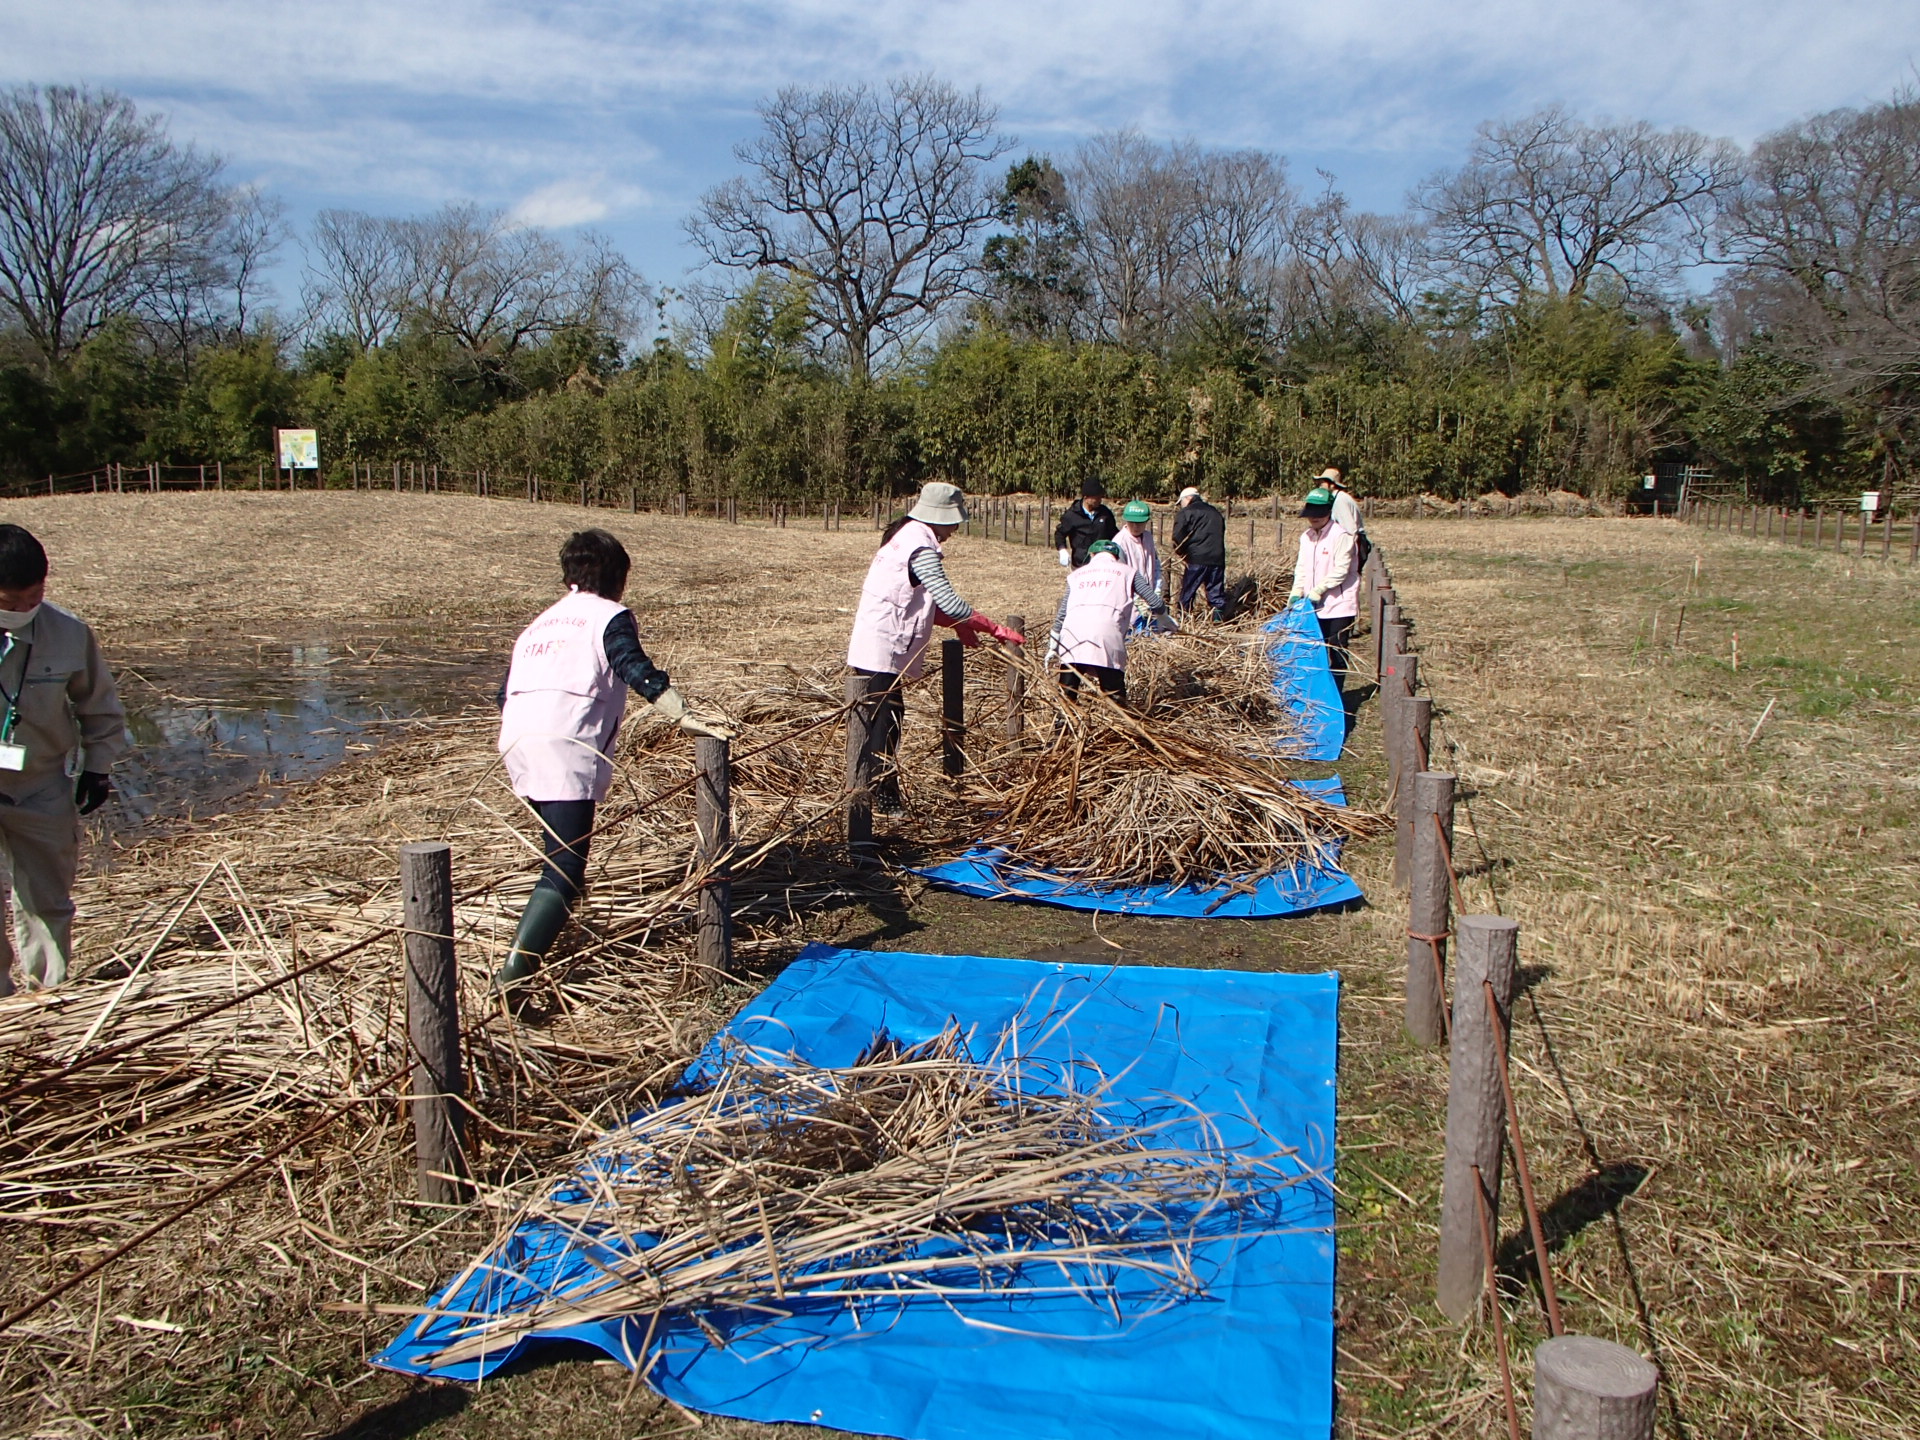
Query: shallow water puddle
x=218, y=721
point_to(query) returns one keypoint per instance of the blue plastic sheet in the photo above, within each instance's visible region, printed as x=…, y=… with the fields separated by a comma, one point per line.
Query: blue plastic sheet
x=1252, y=1360
x=1303, y=888
x=1304, y=681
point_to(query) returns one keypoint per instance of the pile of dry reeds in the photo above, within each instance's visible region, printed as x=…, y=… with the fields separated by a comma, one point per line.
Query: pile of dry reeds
x=915, y=1173
x=1182, y=785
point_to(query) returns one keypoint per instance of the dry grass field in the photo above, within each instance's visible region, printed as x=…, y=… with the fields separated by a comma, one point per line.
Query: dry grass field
x=1715, y=1055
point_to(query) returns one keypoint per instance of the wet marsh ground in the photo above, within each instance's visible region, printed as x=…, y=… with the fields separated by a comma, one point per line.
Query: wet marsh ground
x=1715, y=1053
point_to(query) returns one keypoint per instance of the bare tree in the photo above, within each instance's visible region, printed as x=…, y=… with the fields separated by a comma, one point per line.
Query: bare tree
x=1546, y=205
x=1350, y=263
x=1180, y=242
x=874, y=199
x=1825, y=232
x=101, y=215
x=356, y=283
x=465, y=274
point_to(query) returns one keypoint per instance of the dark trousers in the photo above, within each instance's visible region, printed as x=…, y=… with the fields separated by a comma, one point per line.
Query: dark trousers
x=1335, y=633
x=1214, y=577
x=883, y=710
x=1111, y=681
x=566, y=829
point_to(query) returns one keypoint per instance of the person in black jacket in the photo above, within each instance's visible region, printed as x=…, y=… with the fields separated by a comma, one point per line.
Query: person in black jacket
x=1200, y=540
x=1084, y=523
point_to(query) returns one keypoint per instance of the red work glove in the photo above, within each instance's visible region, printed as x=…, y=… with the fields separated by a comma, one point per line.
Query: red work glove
x=941, y=617
x=969, y=630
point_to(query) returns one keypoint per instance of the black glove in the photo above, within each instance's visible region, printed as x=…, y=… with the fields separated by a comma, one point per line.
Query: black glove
x=92, y=791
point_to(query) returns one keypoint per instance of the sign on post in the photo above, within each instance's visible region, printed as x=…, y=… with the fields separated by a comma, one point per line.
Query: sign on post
x=299, y=449
x=1870, y=501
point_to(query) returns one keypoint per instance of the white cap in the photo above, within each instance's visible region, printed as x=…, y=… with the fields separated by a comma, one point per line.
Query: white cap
x=1189, y=494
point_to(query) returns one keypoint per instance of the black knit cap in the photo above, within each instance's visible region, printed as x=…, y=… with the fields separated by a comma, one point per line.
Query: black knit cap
x=1091, y=489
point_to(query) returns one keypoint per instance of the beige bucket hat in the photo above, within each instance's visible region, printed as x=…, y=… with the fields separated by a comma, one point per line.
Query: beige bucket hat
x=939, y=504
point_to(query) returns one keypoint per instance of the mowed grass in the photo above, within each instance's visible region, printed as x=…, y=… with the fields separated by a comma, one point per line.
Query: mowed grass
x=1715, y=1054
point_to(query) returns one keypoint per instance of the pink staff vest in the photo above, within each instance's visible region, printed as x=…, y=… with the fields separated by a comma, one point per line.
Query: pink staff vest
x=564, y=703
x=895, y=619
x=1320, y=559
x=1099, y=613
x=1141, y=553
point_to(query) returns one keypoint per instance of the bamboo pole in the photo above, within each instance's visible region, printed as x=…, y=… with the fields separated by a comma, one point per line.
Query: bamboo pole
x=713, y=829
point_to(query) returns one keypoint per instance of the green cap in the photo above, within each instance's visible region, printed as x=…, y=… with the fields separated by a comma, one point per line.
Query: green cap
x=1137, y=510
x=1102, y=547
x=1319, y=495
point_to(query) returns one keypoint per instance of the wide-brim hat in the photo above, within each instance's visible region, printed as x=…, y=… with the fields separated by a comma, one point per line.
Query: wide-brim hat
x=939, y=504
x=1331, y=476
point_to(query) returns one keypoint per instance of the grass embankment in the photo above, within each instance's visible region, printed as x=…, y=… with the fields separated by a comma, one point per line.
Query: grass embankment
x=1718, y=936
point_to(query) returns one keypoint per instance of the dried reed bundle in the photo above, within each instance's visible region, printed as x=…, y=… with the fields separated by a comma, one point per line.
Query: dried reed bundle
x=914, y=1173
x=1114, y=796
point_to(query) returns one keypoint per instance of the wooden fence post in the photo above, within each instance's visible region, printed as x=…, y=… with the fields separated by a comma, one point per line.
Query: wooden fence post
x=1590, y=1389
x=860, y=718
x=1383, y=597
x=1396, y=687
x=953, y=706
x=1430, y=906
x=433, y=1022
x=1476, y=1109
x=713, y=829
x=1415, y=714
x=1016, y=682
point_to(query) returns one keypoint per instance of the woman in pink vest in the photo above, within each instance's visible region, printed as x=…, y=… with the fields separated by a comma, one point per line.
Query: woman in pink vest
x=1326, y=575
x=560, y=709
x=906, y=593
x=1095, y=615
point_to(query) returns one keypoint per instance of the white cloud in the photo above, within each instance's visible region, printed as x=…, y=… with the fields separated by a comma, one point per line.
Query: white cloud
x=580, y=201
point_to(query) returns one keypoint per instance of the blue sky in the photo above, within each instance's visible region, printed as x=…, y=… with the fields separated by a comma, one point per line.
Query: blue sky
x=619, y=114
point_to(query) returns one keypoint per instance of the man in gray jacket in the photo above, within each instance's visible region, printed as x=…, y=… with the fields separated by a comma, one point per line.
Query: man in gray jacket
x=61, y=729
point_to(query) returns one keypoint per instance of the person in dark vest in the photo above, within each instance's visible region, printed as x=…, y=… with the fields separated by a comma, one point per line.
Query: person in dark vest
x=1200, y=540
x=1083, y=523
x=560, y=709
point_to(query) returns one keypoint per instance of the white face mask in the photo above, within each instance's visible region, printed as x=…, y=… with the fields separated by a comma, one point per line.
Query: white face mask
x=17, y=619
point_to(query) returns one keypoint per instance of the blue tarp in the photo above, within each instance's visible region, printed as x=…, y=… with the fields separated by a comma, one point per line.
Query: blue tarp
x=1252, y=1360
x=1305, y=684
x=1296, y=891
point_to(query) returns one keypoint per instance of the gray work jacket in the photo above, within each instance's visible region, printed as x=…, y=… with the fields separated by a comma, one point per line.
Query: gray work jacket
x=70, y=712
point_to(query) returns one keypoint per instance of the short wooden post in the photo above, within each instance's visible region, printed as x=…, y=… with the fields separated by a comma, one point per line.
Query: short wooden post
x=1476, y=1110
x=1913, y=545
x=1886, y=538
x=1397, y=670
x=1016, y=682
x=1590, y=1389
x=713, y=829
x=953, y=706
x=1415, y=713
x=433, y=1022
x=1383, y=596
x=1430, y=906
x=219, y=474
x=1866, y=520
x=860, y=717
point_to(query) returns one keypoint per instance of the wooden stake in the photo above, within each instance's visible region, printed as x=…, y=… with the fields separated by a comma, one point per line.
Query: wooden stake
x=713, y=829
x=1016, y=682
x=1430, y=907
x=1416, y=723
x=953, y=706
x=1476, y=1112
x=433, y=1023
x=860, y=717
x=1590, y=1389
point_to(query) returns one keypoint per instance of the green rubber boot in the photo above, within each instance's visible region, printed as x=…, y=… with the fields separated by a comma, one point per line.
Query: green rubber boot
x=542, y=920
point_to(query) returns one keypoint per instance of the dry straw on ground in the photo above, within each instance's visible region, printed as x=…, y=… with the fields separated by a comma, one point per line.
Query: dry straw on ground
x=914, y=1176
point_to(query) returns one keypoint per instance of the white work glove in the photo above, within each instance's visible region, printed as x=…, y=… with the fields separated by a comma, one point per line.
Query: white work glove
x=1296, y=594
x=670, y=704
x=1066, y=557
x=694, y=725
x=1314, y=597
